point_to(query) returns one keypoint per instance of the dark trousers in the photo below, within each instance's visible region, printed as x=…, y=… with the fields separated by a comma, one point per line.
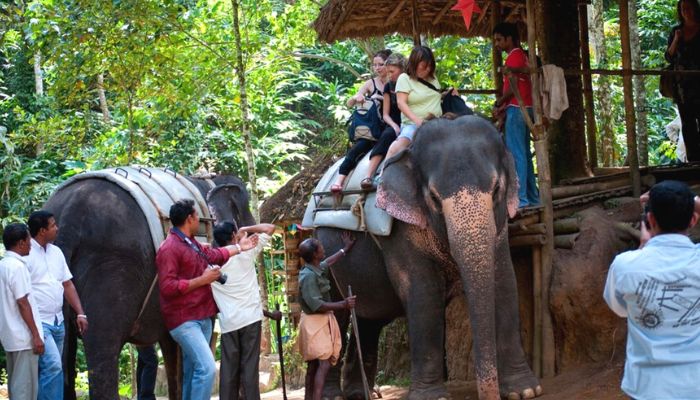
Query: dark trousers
x=690, y=119
x=362, y=146
x=240, y=357
x=146, y=371
x=382, y=146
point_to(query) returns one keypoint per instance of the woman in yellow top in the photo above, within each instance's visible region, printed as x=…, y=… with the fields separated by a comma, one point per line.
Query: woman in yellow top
x=416, y=100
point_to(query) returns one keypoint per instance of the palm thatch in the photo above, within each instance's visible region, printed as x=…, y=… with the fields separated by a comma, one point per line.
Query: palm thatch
x=289, y=202
x=357, y=19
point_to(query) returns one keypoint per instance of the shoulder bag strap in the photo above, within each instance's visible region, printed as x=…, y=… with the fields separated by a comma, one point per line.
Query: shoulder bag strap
x=428, y=84
x=189, y=242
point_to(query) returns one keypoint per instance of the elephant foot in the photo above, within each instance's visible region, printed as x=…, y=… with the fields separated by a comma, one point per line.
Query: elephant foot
x=521, y=386
x=424, y=392
x=332, y=392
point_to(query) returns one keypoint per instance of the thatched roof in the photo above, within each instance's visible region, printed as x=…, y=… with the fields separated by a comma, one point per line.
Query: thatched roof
x=345, y=19
x=289, y=203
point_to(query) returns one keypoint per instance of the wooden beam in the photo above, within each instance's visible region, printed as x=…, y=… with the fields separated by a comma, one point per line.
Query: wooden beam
x=544, y=177
x=482, y=16
x=591, y=128
x=630, y=123
x=396, y=11
x=442, y=12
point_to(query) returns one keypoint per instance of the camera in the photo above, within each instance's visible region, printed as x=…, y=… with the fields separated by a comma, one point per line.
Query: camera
x=222, y=278
x=645, y=219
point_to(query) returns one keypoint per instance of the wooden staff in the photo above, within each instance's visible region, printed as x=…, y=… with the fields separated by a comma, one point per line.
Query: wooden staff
x=279, y=350
x=356, y=331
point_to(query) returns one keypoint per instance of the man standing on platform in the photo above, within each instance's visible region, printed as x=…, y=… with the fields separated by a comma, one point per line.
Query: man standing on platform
x=507, y=39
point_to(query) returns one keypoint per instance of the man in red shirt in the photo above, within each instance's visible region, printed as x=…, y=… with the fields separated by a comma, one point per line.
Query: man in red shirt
x=185, y=272
x=506, y=38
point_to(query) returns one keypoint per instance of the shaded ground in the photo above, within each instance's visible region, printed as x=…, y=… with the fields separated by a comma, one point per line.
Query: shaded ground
x=592, y=381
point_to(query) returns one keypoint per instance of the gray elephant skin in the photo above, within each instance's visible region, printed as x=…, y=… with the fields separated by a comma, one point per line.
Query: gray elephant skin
x=106, y=241
x=452, y=193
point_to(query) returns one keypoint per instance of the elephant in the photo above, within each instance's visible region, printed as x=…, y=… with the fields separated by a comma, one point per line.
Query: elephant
x=105, y=238
x=451, y=194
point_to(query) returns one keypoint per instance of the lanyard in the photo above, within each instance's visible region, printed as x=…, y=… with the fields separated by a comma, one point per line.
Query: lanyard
x=190, y=243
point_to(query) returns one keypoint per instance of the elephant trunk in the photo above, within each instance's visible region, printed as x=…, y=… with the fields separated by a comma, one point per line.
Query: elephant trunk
x=471, y=231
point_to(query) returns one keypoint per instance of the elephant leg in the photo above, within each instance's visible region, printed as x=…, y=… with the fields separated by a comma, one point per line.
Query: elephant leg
x=421, y=287
x=369, y=342
x=102, y=354
x=515, y=377
x=332, y=386
x=70, y=350
x=471, y=231
x=169, y=349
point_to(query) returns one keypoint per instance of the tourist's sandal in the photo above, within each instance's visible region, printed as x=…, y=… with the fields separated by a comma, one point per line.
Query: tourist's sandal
x=367, y=184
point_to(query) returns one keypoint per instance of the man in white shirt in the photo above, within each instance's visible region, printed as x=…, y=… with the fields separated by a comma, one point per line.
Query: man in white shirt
x=657, y=288
x=240, y=313
x=51, y=282
x=19, y=319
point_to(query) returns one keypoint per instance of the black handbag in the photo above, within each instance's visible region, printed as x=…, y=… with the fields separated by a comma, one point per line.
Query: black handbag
x=450, y=103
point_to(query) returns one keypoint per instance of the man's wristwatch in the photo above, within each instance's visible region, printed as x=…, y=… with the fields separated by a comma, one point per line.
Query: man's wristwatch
x=342, y=251
x=82, y=316
x=238, y=246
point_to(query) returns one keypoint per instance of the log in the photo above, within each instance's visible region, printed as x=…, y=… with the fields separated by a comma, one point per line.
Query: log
x=566, y=225
x=520, y=229
x=527, y=240
x=565, y=241
x=528, y=220
x=626, y=230
x=537, y=310
x=585, y=188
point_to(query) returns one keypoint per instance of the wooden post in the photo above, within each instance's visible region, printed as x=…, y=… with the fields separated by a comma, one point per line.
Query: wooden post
x=630, y=124
x=415, y=23
x=496, y=53
x=537, y=310
x=591, y=129
x=545, y=182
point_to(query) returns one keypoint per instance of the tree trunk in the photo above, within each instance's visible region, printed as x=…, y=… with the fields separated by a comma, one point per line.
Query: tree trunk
x=371, y=45
x=597, y=35
x=38, y=90
x=640, y=98
x=250, y=161
x=103, y=99
x=558, y=24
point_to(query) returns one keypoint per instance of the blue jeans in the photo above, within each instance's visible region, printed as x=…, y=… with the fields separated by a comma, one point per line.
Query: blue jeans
x=198, y=367
x=518, y=142
x=50, y=367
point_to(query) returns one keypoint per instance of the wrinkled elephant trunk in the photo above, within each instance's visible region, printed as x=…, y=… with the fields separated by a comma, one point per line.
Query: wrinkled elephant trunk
x=471, y=231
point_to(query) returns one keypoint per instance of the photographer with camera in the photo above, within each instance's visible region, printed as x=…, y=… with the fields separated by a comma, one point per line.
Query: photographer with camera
x=186, y=270
x=657, y=288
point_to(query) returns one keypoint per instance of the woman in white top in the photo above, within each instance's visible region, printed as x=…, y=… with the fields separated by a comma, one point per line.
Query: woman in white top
x=417, y=101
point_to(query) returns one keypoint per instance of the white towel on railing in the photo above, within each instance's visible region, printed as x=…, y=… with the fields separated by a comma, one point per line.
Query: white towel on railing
x=553, y=91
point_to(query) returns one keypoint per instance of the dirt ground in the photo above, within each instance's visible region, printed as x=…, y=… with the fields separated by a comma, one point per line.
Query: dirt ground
x=592, y=381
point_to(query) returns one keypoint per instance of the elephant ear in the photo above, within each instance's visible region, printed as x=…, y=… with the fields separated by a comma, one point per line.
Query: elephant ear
x=398, y=193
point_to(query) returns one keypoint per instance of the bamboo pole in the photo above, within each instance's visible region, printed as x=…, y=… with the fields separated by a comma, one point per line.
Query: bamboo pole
x=537, y=310
x=632, y=157
x=565, y=241
x=496, y=53
x=567, y=225
x=527, y=240
x=545, y=183
x=415, y=23
x=591, y=129
x=585, y=188
x=520, y=230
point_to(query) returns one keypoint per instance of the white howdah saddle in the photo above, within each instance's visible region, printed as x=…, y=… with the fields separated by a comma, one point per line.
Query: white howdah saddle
x=354, y=209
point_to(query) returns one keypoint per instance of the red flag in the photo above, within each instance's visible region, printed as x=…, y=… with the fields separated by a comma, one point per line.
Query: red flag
x=467, y=7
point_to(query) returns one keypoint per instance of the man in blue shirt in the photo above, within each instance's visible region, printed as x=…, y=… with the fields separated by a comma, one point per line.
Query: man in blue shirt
x=657, y=288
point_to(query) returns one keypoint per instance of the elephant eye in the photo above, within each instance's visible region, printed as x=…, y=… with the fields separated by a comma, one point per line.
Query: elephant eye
x=434, y=200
